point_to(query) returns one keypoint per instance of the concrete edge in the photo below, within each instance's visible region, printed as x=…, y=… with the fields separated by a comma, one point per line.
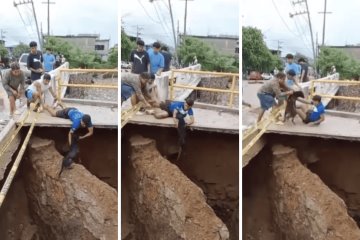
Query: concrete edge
x=314, y=135
x=342, y=114
x=230, y=131
x=90, y=102
x=215, y=107
x=9, y=126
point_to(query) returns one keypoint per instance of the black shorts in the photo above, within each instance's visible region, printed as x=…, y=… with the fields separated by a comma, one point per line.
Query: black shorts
x=64, y=113
x=307, y=119
x=166, y=107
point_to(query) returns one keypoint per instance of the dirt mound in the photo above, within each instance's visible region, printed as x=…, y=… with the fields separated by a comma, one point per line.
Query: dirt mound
x=75, y=205
x=304, y=207
x=164, y=203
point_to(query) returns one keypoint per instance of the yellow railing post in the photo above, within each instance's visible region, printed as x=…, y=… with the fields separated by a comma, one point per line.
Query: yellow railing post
x=232, y=91
x=58, y=79
x=172, y=85
x=311, y=93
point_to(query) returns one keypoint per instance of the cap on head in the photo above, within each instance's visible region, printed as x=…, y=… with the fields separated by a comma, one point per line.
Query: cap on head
x=316, y=98
x=291, y=72
x=189, y=102
x=14, y=66
x=156, y=45
x=87, y=120
x=33, y=44
x=289, y=56
x=140, y=42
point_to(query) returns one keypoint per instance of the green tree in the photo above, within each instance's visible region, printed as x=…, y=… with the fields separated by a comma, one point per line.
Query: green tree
x=206, y=55
x=255, y=54
x=347, y=66
x=3, y=51
x=113, y=57
x=20, y=49
x=126, y=46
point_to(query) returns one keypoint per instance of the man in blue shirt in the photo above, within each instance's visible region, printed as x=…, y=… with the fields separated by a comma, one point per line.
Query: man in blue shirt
x=49, y=60
x=157, y=61
x=178, y=110
x=316, y=115
x=77, y=118
x=291, y=65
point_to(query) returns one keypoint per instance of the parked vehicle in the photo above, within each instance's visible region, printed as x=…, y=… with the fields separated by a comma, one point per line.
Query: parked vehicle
x=23, y=64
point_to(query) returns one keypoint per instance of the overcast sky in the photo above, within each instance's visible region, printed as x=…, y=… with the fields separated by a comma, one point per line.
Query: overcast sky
x=204, y=17
x=341, y=25
x=66, y=17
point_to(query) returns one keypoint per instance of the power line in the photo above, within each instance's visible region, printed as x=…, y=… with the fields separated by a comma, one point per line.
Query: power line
x=147, y=12
x=282, y=19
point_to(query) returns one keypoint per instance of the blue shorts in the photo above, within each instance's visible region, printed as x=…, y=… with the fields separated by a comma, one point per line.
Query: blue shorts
x=126, y=92
x=29, y=94
x=266, y=100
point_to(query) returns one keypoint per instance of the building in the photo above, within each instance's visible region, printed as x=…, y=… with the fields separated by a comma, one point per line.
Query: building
x=224, y=44
x=351, y=50
x=88, y=43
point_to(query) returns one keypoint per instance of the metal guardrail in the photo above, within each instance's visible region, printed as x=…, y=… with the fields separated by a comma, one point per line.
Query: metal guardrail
x=338, y=82
x=232, y=90
x=5, y=188
x=60, y=83
x=127, y=114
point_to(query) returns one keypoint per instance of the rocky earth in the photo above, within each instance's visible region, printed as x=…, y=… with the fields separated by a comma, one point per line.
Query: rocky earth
x=164, y=204
x=346, y=105
x=303, y=206
x=101, y=94
x=217, y=98
x=75, y=205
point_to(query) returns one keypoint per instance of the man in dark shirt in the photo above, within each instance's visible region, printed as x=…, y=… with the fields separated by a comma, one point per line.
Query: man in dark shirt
x=167, y=58
x=139, y=58
x=304, y=70
x=34, y=62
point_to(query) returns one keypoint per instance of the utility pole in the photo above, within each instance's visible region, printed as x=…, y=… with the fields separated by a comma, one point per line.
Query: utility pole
x=21, y=2
x=185, y=17
x=309, y=19
x=324, y=12
x=279, y=47
x=48, y=15
x=2, y=35
x=138, y=29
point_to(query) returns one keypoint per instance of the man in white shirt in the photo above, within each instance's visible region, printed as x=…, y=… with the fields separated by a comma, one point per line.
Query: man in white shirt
x=37, y=90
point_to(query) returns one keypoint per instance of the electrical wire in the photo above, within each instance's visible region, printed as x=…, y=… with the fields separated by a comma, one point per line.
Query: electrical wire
x=282, y=19
x=147, y=12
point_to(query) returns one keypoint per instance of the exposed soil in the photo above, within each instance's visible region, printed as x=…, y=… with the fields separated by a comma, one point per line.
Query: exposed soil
x=208, y=160
x=283, y=199
x=78, y=205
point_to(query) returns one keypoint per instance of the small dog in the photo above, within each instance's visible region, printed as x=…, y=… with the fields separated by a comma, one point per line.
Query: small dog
x=290, y=110
x=71, y=155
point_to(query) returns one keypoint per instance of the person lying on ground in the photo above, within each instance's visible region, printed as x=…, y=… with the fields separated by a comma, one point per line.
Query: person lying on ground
x=133, y=86
x=271, y=90
x=14, y=85
x=77, y=118
x=177, y=110
x=314, y=116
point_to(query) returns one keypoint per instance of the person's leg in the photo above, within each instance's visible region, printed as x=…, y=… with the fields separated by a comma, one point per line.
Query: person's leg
x=134, y=100
x=261, y=115
x=159, y=114
x=50, y=110
x=12, y=104
x=301, y=114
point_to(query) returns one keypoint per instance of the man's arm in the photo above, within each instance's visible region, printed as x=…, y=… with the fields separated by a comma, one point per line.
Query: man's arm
x=70, y=137
x=53, y=94
x=6, y=81
x=90, y=133
x=162, y=64
x=176, y=121
x=302, y=76
x=192, y=120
